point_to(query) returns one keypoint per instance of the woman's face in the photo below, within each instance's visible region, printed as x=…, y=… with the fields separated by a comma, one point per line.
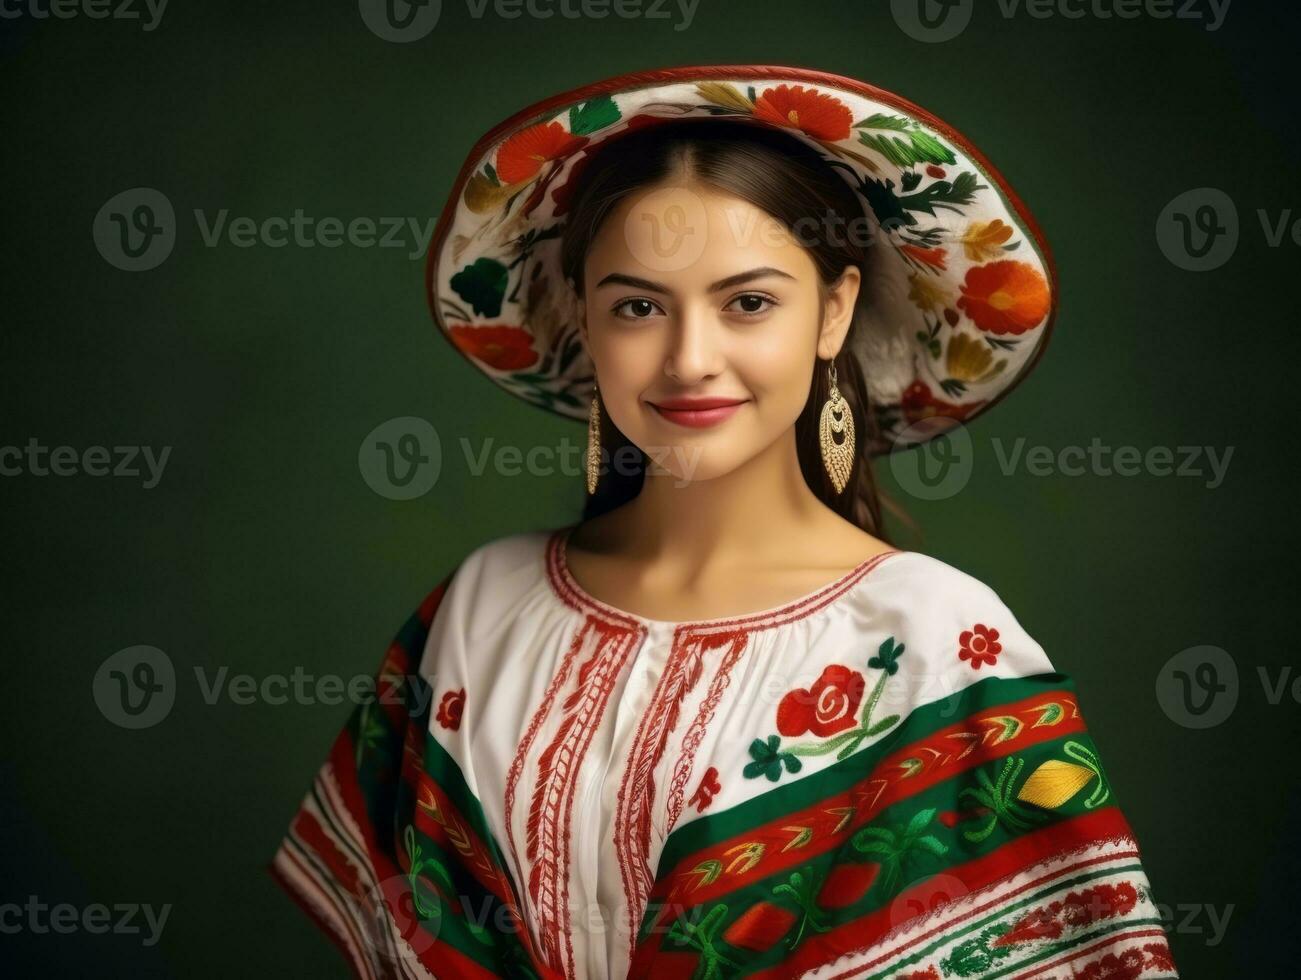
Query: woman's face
x=701, y=314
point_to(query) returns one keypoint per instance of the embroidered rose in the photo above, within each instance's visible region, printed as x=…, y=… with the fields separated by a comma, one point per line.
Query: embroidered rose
x=829, y=706
x=450, y=708
x=709, y=785
x=979, y=645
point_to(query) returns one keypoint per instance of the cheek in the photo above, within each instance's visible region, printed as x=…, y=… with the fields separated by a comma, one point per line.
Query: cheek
x=625, y=367
x=776, y=364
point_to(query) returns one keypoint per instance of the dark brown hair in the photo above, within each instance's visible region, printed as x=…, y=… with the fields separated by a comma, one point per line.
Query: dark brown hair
x=783, y=176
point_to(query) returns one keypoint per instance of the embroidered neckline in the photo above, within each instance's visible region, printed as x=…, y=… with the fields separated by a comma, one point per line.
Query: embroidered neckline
x=566, y=587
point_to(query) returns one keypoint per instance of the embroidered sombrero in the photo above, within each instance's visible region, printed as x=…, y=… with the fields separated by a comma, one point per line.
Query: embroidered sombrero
x=957, y=309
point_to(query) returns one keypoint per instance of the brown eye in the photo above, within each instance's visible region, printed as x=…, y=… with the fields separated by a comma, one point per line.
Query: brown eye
x=752, y=303
x=639, y=309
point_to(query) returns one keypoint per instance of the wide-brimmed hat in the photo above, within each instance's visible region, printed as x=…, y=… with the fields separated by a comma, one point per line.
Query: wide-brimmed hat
x=957, y=306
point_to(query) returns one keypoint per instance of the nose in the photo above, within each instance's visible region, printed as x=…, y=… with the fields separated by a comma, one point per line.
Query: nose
x=694, y=352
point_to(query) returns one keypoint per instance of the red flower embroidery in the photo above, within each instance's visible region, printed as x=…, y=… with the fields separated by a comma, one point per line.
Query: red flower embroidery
x=522, y=155
x=979, y=645
x=709, y=785
x=812, y=112
x=503, y=347
x=450, y=708
x=825, y=708
x=919, y=403
x=934, y=171
x=1005, y=297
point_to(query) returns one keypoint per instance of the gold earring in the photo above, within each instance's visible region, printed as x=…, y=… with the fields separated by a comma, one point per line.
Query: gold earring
x=593, y=443
x=836, y=419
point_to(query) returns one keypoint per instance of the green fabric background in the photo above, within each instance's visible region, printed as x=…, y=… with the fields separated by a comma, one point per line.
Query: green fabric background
x=263, y=549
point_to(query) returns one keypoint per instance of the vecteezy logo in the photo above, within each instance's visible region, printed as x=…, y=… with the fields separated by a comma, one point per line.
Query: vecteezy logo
x=1198, y=230
x=932, y=21
x=400, y=21
x=400, y=459
x=940, y=466
x=135, y=687
x=136, y=230
x=404, y=913
x=922, y=899
x=668, y=229
x=1198, y=687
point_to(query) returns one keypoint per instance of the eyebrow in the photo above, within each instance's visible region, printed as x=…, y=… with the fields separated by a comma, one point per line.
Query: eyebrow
x=619, y=279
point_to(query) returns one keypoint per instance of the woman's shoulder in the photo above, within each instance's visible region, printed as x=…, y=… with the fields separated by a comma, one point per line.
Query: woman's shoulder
x=947, y=614
x=512, y=561
x=932, y=582
x=507, y=550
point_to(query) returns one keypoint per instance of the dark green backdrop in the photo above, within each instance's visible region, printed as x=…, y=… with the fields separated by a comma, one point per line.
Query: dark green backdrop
x=262, y=548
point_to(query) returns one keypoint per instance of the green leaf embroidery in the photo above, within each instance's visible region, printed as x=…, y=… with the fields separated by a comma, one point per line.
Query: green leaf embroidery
x=482, y=284
x=702, y=936
x=899, y=845
x=917, y=147
x=592, y=115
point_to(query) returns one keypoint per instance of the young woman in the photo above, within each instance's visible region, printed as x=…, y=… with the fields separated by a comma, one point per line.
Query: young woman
x=720, y=727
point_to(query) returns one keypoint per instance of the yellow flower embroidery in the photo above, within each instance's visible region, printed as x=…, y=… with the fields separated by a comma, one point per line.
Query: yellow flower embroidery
x=720, y=93
x=983, y=240
x=926, y=293
x=970, y=360
x=483, y=196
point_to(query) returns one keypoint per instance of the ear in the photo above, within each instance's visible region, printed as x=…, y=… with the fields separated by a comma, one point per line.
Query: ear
x=838, y=312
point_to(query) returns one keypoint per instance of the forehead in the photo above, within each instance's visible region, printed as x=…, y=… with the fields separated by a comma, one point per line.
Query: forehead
x=685, y=235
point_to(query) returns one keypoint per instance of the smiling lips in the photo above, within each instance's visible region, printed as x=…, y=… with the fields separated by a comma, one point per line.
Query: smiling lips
x=698, y=413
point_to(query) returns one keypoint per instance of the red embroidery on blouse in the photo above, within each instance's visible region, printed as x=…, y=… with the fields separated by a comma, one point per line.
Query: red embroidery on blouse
x=691, y=641
x=696, y=733
x=704, y=794
x=450, y=708
x=979, y=645
x=829, y=706
x=548, y=825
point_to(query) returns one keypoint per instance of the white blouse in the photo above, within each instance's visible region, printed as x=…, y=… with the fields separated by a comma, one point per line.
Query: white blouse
x=594, y=740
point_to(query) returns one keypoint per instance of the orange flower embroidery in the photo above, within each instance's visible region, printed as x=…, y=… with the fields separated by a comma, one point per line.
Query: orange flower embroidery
x=979, y=645
x=497, y=345
x=815, y=113
x=522, y=156
x=1005, y=297
x=450, y=708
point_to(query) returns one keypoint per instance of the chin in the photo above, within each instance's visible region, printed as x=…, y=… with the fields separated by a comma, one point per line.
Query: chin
x=694, y=463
